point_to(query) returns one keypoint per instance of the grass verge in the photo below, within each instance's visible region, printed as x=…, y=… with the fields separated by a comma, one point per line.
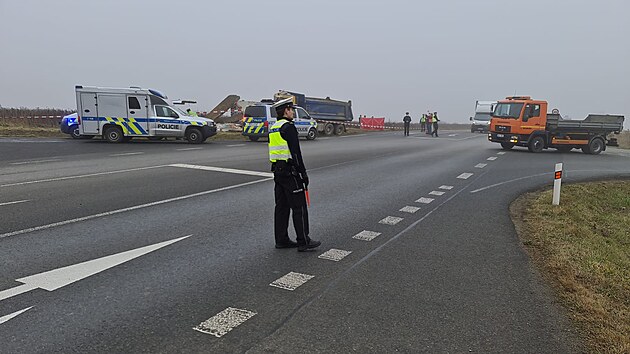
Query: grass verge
x=624, y=140
x=582, y=248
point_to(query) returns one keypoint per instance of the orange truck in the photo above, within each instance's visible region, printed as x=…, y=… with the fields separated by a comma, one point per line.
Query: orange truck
x=522, y=121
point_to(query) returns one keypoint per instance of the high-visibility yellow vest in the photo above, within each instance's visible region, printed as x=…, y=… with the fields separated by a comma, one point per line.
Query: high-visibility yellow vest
x=423, y=119
x=278, y=147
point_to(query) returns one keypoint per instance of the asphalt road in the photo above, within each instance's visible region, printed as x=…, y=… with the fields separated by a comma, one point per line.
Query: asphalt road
x=447, y=275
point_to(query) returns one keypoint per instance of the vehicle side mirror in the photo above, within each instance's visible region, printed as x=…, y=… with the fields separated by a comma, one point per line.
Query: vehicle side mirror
x=470, y=119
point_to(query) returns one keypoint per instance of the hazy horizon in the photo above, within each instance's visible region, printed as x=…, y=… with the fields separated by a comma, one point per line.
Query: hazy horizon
x=387, y=57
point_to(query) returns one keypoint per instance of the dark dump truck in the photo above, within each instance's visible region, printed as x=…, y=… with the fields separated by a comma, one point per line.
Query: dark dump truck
x=521, y=121
x=331, y=115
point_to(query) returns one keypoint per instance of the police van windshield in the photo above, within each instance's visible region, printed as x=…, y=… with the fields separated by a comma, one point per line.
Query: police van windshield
x=508, y=110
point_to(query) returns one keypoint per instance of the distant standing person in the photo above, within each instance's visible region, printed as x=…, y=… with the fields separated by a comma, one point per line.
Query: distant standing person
x=429, y=123
x=435, y=125
x=423, y=122
x=407, y=122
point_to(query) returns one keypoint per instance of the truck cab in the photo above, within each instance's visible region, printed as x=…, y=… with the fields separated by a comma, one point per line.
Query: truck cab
x=523, y=121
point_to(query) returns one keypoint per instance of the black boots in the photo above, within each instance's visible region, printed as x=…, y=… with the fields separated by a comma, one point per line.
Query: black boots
x=308, y=245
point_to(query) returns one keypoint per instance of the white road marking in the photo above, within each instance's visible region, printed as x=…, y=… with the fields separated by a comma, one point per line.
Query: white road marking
x=8, y=317
x=60, y=277
x=391, y=220
x=481, y=165
x=118, y=211
x=491, y=158
x=366, y=235
x=189, y=149
x=221, y=169
x=452, y=135
x=465, y=175
x=15, y=202
x=224, y=321
x=424, y=200
x=409, y=209
x=501, y=153
x=34, y=161
x=128, y=153
x=446, y=187
x=79, y=176
x=436, y=193
x=235, y=145
x=351, y=136
x=291, y=281
x=334, y=254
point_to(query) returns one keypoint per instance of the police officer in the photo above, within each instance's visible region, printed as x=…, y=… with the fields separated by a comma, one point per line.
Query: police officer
x=291, y=180
x=407, y=122
x=191, y=113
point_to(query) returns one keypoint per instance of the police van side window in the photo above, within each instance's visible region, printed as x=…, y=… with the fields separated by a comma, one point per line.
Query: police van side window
x=273, y=112
x=303, y=114
x=163, y=111
x=134, y=103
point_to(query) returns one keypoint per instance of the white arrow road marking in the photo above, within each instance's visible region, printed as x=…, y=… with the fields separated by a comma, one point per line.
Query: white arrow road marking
x=15, y=202
x=221, y=169
x=57, y=278
x=8, y=317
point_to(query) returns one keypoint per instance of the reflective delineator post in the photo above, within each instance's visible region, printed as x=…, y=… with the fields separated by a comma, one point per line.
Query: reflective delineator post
x=557, y=183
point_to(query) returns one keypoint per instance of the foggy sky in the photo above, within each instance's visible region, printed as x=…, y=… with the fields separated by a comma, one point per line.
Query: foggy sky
x=388, y=57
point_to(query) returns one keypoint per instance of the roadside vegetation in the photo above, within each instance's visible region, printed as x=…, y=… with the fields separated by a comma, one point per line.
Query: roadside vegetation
x=582, y=248
x=624, y=139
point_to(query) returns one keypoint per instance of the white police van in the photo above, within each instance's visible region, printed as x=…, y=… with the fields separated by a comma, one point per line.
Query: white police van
x=119, y=114
x=258, y=117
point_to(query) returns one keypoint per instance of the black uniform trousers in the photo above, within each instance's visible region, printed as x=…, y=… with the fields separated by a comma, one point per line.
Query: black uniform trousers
x=407, y=128
x=290, y=197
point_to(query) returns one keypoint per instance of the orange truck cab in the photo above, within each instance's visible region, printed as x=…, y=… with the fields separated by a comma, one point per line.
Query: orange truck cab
x=523, y=121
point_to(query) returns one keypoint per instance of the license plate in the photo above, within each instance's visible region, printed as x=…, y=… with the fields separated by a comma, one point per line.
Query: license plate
x=500, y=136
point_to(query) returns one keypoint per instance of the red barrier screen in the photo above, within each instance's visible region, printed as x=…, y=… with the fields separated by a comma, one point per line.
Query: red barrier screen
x=372, y=123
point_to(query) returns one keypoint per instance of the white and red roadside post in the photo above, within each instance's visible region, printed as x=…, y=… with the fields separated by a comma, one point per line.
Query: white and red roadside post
x=557, y=183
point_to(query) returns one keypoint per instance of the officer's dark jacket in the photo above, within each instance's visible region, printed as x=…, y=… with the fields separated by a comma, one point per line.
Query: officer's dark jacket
x=406, y=119
x=289, y=133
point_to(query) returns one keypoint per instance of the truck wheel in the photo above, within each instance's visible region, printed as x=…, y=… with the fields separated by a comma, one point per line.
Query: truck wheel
x=74, y=132
x=113, y=134
x=507, y=146
x=253, y=138
x=596, y=146
x=536, y=144
x=339, y=129
x=312, y=134
x=329, y=129
x=194, y=136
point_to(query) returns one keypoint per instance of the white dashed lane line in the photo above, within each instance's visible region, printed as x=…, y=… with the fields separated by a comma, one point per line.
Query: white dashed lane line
x=448, y=188
x=491, y=158
x=15, y=202
x=501, y=153
x=221, y=169
x=34, y=161
x=465, y=175
x=224, y=321
x=291, y=281
x=391, y=220
x=334, y=255
x=425, y=200
x=481, y=165
x=235, y=145
x=8, y=317
x=366, y=235
x=128, y=154
x=437, y=193
x=409, y=209
x=189, y=149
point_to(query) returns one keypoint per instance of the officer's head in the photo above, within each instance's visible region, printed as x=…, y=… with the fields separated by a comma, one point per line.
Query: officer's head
x=407, y=113
x=284, y=108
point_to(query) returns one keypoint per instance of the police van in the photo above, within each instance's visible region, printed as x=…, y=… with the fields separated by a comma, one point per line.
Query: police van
x=120, y=114
x=258, y=117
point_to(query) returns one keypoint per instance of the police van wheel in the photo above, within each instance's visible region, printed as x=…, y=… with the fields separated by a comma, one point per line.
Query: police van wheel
x=194, y=136
x=113, y=134
x=74, y=133
x=312, y=134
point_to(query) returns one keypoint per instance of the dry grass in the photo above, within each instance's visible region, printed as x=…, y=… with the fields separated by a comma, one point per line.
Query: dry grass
x=17, y=130
x=583, y=249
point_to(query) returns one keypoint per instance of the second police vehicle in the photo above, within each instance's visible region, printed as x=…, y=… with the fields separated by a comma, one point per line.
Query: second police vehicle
x=258, y=117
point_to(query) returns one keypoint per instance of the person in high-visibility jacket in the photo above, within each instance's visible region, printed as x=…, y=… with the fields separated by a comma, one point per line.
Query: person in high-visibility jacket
x=291, y=180
x=423, y=123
